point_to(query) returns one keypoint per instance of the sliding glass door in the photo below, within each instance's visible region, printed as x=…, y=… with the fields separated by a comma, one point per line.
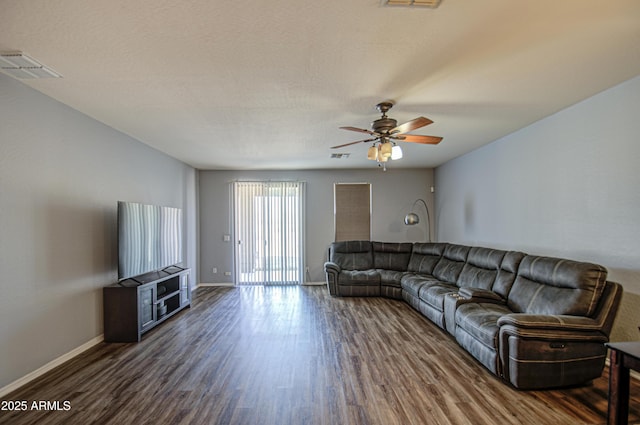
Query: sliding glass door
x=269, y=232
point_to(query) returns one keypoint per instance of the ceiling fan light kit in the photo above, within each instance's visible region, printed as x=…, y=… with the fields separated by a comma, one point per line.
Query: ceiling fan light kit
x=386, y=132
x=382, y=152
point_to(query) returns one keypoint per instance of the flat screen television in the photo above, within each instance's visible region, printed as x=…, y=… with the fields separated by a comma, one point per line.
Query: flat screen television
x=149, y=238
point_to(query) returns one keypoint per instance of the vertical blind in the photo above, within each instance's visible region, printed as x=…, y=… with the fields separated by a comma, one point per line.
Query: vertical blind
x=352, y=211
x=269, y=232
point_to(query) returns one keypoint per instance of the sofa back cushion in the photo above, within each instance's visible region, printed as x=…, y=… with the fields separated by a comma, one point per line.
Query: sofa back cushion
x=424, y=257
x=451, y=263
x=352, y=255
x=391, y=255
x=481, y=268
x=507, y=273
x=546, y=285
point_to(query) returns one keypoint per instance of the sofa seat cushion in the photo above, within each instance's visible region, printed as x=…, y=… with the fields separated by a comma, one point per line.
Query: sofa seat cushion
x=480, y=320
x=411, y=283
x=390, y=277
x=359, y=277
x=434, y=294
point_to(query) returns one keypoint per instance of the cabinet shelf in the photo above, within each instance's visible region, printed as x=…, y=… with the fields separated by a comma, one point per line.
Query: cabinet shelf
x=137, y=306
x=165, y=297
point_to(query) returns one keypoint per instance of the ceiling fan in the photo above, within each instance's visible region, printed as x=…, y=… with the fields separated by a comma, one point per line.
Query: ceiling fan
x=386, y=132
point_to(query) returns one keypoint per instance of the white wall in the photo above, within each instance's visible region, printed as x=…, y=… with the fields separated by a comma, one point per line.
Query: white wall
x=393, y=193
x=61, y=175
x=568, y=186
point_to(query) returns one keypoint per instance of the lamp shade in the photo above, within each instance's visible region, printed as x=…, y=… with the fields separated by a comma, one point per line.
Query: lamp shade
x=385, y=149
x=372, y=153
x=411, y=219
x=396, y=152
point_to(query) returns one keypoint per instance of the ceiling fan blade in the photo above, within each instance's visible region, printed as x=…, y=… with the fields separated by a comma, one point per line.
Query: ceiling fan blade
x=359, y=130
x=412, y=125
x=353, y=143
x=414, y=138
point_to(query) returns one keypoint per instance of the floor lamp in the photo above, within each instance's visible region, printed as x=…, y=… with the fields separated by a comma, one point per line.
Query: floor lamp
x=412, y=218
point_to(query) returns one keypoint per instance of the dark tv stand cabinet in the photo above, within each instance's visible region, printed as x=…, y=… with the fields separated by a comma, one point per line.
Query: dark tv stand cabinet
x=135, y=306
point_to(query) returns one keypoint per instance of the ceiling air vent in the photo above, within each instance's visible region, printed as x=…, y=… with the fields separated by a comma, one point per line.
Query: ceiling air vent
x=19, y=65
x=340, y=155
x=413, y=3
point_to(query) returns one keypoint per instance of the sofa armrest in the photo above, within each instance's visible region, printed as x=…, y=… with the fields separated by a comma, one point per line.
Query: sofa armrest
x=574, y=343
x=548, y=322
x=543, y=351
x=466, y=295
x=330, y=266
x=331, y=271
x=480, y=295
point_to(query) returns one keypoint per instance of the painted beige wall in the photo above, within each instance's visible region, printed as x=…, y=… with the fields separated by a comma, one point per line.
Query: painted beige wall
x=565, y=186
x=61, y=175
x=393, y=193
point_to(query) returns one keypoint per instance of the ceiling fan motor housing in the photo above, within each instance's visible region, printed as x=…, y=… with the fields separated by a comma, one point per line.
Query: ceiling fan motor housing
x=384, y=125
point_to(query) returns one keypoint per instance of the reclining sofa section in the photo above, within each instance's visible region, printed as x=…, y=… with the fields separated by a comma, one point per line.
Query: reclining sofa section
x=536, y=322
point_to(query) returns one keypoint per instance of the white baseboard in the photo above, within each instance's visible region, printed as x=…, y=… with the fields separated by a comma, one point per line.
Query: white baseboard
x=52, y=364
x=314, y=283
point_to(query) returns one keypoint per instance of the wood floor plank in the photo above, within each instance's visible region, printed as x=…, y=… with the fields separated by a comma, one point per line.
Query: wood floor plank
x=295, y=355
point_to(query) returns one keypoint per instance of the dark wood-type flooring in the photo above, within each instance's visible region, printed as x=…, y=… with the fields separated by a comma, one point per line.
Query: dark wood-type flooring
x=295, y=355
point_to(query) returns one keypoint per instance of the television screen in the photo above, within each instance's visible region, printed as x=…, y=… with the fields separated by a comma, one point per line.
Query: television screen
x=149, y=238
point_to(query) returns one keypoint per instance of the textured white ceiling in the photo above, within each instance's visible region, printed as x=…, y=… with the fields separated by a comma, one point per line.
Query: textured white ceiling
x=250, y=84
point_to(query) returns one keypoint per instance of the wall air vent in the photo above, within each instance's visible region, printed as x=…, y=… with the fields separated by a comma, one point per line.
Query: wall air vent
x=340, y=155
x=19, y=65
x=412, y=3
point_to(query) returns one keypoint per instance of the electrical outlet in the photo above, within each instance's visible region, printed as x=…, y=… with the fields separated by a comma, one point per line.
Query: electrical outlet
x=227, y=273
x=214, y=270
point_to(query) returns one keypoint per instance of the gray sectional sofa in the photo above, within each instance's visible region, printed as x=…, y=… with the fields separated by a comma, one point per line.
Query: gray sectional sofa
x=536, y=322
